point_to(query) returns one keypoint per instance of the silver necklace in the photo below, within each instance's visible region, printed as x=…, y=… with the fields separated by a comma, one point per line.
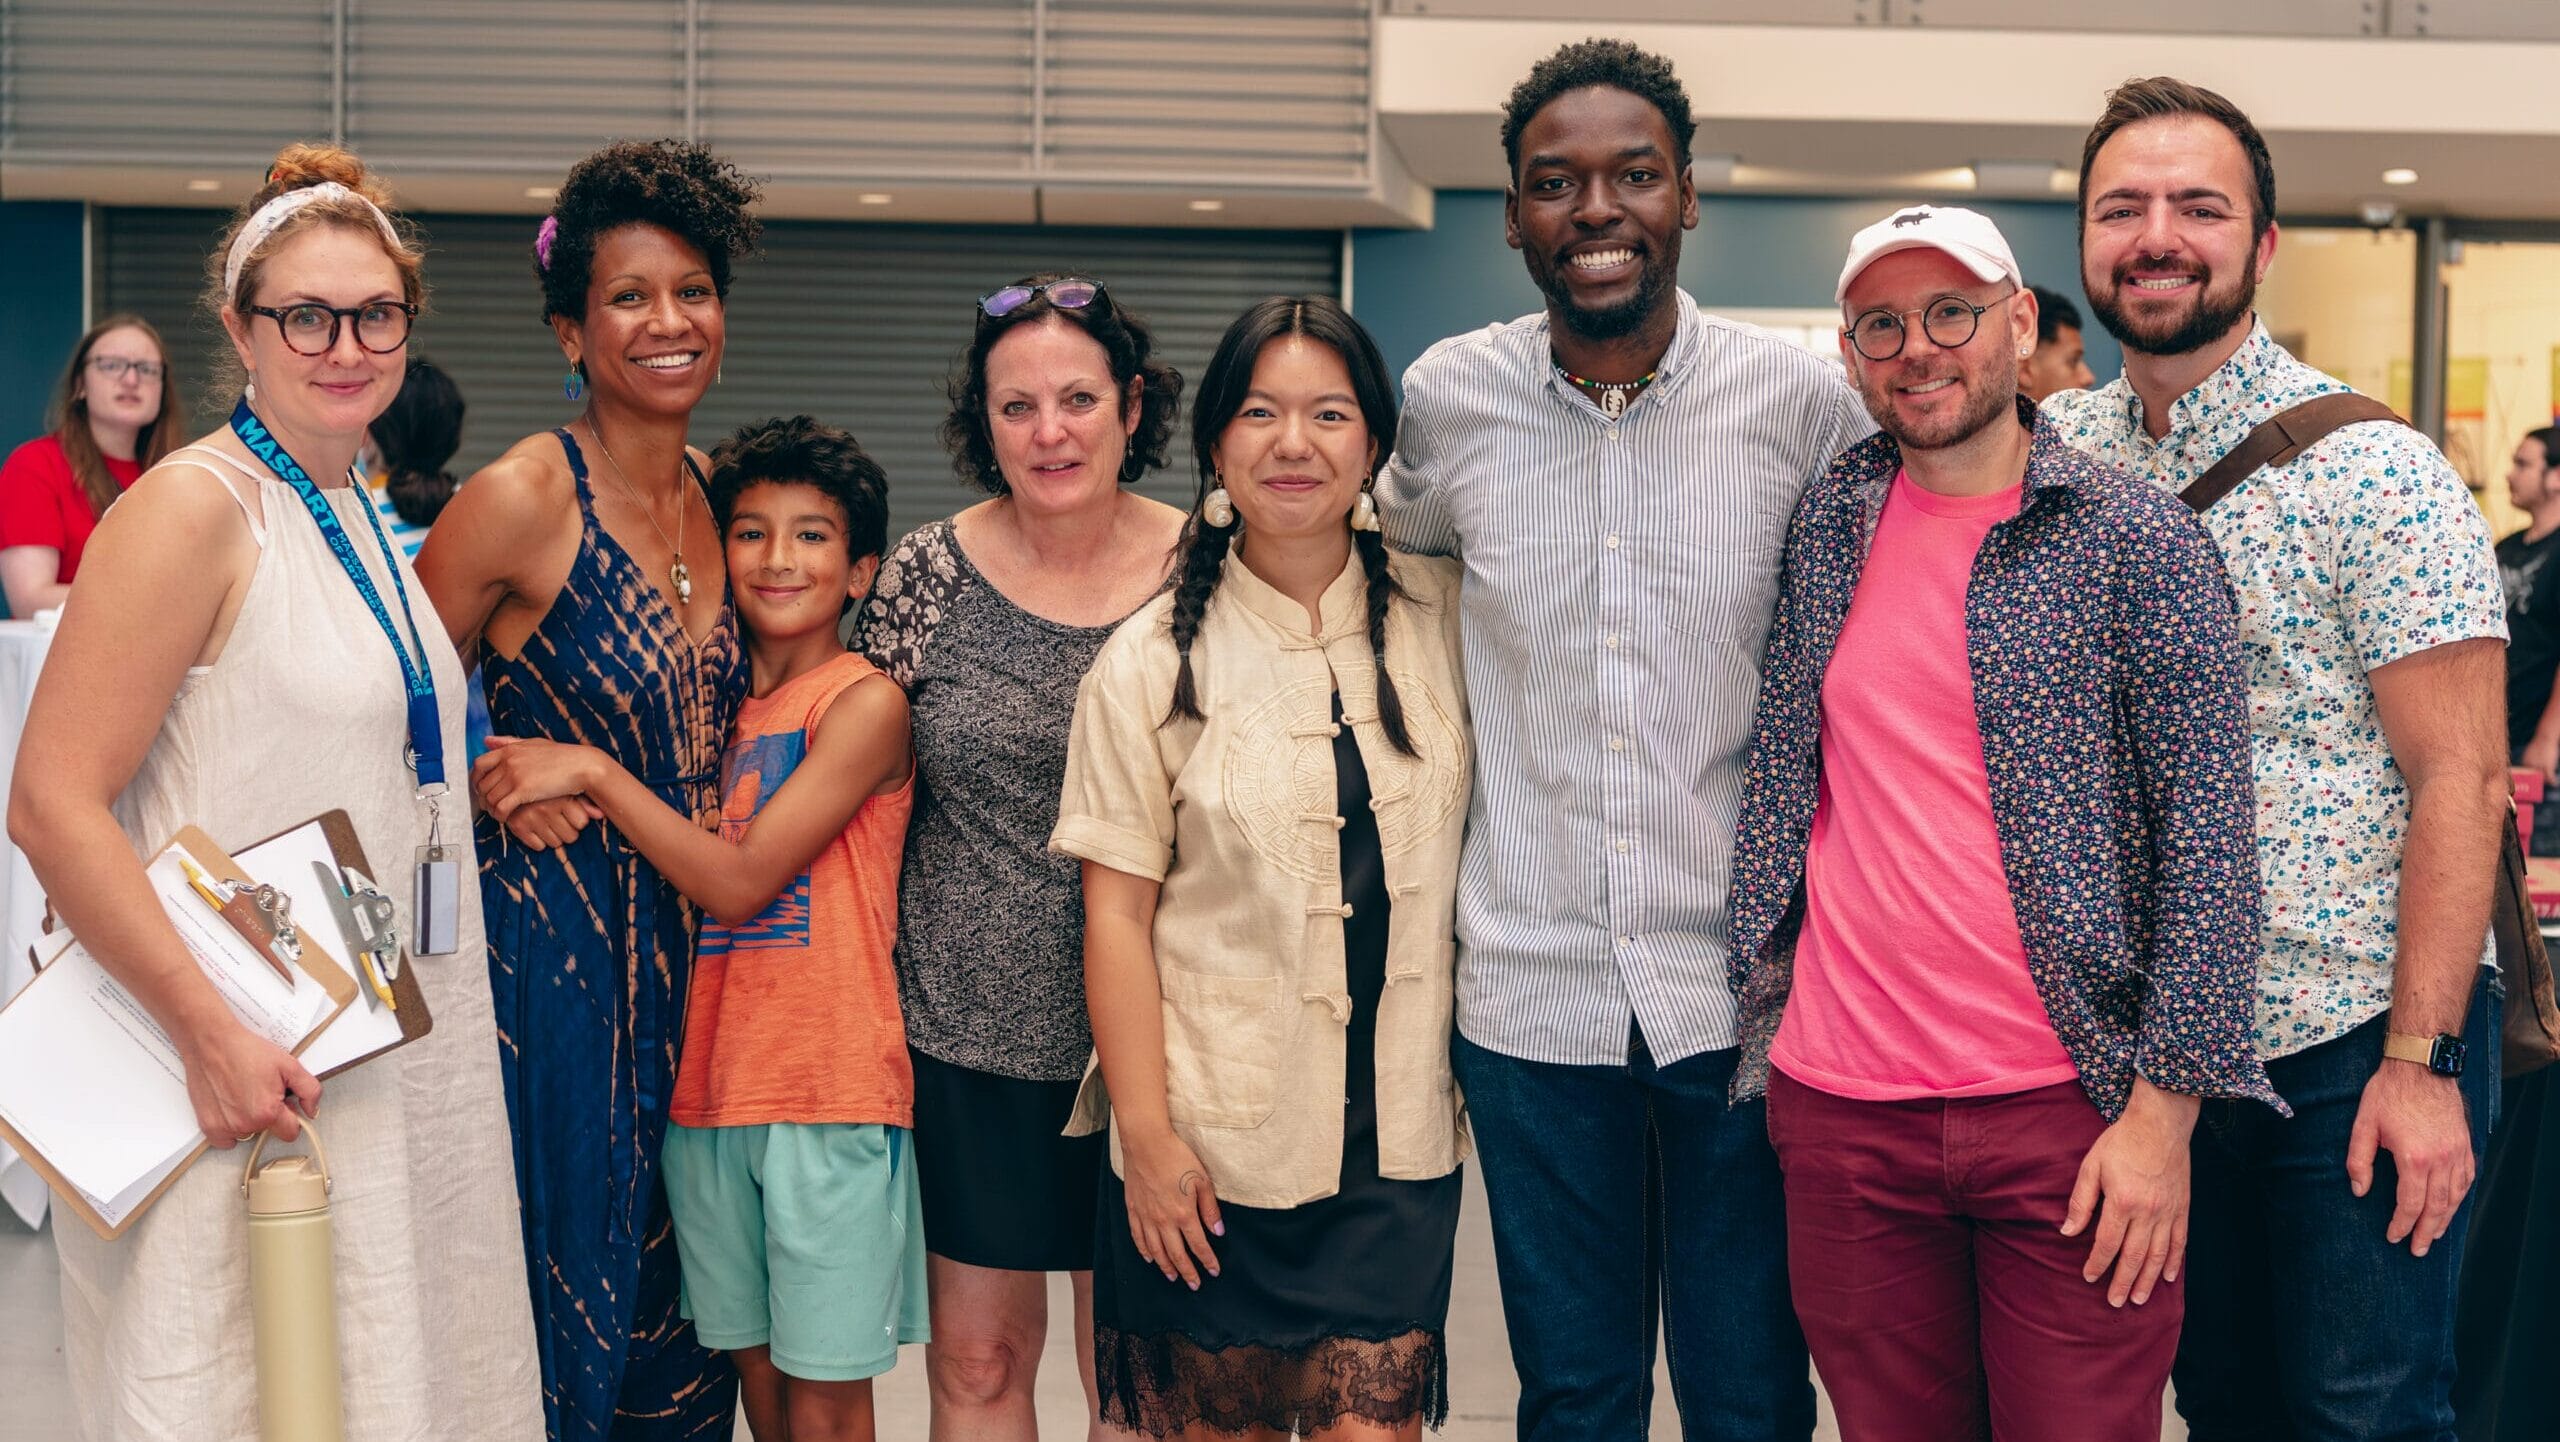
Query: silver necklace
x=679, y=575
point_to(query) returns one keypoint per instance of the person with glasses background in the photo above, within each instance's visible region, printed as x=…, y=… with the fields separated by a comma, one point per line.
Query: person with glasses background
x=220, y=666
x=989, y=619
x=584, y=569
x=1266, y=785
x=1995, y=884
x=115, y=415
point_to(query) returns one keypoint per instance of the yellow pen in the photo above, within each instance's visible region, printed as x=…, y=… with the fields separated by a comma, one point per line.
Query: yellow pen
x=373, y=978
x=203, y=886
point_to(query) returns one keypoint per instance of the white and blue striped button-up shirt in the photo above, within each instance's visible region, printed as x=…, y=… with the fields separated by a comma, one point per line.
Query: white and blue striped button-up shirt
x=1619, y=577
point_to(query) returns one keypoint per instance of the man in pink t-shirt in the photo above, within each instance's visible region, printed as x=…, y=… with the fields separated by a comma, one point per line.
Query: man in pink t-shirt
x=2002, y=889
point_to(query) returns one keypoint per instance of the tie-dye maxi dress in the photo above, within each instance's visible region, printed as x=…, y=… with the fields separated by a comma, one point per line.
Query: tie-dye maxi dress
x=589, y=952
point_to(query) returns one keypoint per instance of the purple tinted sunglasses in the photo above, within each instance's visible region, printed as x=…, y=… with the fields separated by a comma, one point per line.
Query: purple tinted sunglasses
x=1072, y=292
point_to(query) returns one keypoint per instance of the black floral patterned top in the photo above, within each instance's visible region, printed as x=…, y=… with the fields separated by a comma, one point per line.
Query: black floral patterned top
x=990, y=923
x=2110, y=692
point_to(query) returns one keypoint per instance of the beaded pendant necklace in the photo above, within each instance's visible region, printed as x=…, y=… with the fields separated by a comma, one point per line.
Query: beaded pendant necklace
x=1610, y=396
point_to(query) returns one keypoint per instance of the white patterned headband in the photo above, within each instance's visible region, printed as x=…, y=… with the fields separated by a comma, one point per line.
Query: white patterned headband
x=276, y=212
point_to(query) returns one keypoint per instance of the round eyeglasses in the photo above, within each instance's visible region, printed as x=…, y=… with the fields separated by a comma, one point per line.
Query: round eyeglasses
x=1949, y=322
x=382, y=326
x=1072, y=292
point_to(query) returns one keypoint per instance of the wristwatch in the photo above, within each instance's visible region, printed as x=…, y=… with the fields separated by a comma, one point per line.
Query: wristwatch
x=2441, y=1054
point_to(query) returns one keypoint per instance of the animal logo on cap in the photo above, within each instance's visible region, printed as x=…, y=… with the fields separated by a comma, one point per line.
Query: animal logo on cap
x=1910, y=217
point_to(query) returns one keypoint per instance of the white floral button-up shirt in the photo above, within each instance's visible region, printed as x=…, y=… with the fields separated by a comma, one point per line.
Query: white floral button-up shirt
x=2362, y=550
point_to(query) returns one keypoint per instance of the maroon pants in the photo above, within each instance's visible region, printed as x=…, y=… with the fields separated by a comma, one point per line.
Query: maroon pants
x=1938, y=1294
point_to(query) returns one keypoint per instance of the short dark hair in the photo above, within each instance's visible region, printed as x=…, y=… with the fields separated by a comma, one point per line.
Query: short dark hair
x=1124, y=339
x=2550, y=438
x=2054, y=311
x=2162, y=97
x=417, y=436
x=801, y=451
x=672, y=184
x=1596, y=61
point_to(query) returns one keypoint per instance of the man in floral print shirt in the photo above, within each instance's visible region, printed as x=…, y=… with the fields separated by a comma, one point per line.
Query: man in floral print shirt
x=2325, y=1247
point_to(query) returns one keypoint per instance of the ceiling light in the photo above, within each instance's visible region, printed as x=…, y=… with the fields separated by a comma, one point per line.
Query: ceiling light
x=875, y=197
x=1206, y=206
x=201, y=186
x=541, y=192
x=2013, y=177
x=2400, y=175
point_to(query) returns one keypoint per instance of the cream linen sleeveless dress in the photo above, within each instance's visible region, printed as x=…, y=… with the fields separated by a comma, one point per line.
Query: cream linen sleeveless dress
x=304, y=711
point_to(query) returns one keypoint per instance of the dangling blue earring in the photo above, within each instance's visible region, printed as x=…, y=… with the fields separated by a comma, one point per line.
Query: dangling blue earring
x=575, y=387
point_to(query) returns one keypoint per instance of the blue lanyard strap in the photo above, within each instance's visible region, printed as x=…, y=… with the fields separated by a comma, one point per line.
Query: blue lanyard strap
x=426, y=725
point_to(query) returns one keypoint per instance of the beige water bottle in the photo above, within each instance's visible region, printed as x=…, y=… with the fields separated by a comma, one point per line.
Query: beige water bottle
x=293, y=1296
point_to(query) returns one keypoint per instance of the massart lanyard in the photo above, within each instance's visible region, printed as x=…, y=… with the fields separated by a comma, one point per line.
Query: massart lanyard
x=426, y=725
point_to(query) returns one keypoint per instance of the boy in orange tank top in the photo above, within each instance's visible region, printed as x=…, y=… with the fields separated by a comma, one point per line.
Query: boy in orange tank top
x=789, y=1164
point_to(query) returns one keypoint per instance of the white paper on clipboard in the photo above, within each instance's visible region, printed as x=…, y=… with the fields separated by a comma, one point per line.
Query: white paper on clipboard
x=286, y=863
x=90, y=1079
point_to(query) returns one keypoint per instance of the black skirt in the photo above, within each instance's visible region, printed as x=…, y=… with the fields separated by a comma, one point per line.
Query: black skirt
x=1323, y=1311
x=1001, y=1187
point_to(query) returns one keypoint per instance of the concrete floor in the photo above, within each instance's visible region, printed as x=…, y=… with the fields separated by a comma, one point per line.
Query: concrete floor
x=34, y=1406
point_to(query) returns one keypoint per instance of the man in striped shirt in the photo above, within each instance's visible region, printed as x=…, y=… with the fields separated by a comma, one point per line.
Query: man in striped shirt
x=1616, y=473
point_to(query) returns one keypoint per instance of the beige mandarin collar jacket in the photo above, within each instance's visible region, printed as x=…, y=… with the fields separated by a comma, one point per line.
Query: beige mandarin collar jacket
x=1235, y=816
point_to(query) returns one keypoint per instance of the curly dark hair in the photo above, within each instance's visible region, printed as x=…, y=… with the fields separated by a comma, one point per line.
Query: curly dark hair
x=1586, y=63
x=1124, y=338
x=802, y=451
x=1203, y=548
x=677, y=186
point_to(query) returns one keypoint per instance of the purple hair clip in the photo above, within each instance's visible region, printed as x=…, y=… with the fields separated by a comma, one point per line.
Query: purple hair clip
x=543, y=238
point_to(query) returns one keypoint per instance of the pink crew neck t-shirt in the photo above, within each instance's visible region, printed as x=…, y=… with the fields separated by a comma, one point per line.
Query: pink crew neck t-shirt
x=1910, y=978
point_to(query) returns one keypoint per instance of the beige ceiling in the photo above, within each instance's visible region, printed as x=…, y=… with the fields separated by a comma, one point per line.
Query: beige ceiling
x=1814, y=110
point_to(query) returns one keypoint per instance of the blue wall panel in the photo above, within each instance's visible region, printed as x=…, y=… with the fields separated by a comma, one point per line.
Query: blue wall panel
x=40, y=309
x=1411, y=287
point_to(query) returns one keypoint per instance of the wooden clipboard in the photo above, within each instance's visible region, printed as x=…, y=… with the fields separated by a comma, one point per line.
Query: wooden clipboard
x=409, y=1004
x=317, y=960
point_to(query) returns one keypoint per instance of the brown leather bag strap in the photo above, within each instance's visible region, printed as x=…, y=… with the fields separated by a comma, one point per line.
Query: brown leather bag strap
x=2281, y=437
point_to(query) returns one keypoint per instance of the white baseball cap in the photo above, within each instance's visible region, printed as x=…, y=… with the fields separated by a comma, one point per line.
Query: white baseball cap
x=1967, y=235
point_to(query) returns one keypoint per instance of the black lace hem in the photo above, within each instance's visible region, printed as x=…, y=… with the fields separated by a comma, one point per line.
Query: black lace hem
x=1165, y=1384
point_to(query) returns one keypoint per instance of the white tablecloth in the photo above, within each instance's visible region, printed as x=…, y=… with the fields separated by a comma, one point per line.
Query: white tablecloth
x=22, y=649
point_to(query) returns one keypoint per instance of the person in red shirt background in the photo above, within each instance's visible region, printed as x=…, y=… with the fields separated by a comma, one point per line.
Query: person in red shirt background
x=116, y=414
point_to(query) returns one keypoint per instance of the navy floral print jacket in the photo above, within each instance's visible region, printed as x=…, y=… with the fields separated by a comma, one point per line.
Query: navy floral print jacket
x=2109, y=689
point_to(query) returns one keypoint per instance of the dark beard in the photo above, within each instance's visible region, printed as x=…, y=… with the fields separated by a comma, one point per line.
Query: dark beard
x=1619, y=321
x=2210, y=319
x=1985, y=406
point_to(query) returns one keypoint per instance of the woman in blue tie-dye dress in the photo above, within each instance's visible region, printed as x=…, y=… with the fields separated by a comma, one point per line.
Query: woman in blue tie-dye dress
x=586, y=566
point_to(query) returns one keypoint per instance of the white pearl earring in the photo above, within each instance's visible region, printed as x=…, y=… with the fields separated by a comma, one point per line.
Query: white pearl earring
x=1364, y=513
x=1217, y=510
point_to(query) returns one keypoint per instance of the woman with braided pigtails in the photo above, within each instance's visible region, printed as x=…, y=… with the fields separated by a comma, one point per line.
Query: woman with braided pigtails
x=1265, y=785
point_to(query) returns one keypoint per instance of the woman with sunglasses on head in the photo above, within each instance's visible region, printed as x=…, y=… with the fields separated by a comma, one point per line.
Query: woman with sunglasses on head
x=115, y=415
x=988, y=619
x=1267, y=786
x=584, y=567
x=245, y=655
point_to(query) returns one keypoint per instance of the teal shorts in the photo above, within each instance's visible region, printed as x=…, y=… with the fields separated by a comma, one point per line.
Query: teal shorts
x=805, y=1239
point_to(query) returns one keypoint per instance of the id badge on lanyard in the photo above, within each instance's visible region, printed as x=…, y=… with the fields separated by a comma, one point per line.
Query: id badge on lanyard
x=436, y=903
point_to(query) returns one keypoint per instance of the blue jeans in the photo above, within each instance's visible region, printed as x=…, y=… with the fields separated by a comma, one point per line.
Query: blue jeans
x=2302, y=1322
x=1623, y=1194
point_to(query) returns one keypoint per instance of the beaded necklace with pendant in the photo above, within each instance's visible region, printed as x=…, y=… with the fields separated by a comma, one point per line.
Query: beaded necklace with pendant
x=1610, y=396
